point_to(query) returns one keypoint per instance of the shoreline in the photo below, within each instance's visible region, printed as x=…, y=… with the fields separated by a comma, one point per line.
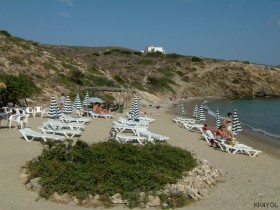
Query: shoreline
x=251, y=138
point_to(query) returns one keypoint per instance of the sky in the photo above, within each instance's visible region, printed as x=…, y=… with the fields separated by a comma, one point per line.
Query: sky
x=246, y=30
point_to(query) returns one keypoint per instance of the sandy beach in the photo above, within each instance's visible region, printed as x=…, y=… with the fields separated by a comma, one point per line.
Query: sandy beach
x=247, y=182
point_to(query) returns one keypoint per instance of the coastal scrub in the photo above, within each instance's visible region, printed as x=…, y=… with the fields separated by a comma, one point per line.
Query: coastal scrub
x=108, y=168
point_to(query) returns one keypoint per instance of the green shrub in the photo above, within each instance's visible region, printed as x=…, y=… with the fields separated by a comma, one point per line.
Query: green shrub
x=17, y=60
x=145, y=61
x=95, y=70
x=196, y=59
x=174, y=55
x=137, y=53
x=5, y=33
x=107, y=52
x=119, y=79
x=155, y=54
x=107, y=168
x=118, y=51
x=50, y=66
x=96, y=80
x=186, y=79
x=95, y=54
x=159, y=84
x=17, y=87
x=77, y=76
x=180, y=73
x=167, y=71
x=235, y=81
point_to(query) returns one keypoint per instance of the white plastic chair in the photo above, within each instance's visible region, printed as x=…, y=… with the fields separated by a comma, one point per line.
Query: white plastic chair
x=45, y=112
x=38, y=110
x=15, y=119
x=30, y=111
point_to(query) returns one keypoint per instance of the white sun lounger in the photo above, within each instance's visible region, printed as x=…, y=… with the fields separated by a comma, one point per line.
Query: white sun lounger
x=142, y=119
x=68, y=119
x=150, y=135
x=47, y=128
x=60, y=125
x=179, y=121
x=126, y=138
x=233, y=149
x=102, y=115
x=132, y=122
x=193, y=127
x=240, y=148
x=29, y=135
x=119, y=128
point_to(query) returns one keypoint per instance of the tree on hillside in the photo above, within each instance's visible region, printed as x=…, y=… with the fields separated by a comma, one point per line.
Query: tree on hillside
x=17, y=87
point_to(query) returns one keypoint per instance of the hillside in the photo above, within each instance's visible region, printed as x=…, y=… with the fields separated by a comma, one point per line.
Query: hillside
x=57, y=69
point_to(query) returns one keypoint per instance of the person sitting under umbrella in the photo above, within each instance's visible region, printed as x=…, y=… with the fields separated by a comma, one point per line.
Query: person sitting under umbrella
x=99, y=108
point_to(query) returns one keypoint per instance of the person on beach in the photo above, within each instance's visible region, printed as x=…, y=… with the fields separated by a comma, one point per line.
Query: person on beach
x=96, y=108
x=228, y=121
x=223, y=133
x=61, y=101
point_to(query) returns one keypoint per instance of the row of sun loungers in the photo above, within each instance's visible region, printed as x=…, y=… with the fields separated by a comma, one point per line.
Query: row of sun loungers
x=191, y=125
x=138, y=131
x=57, y=130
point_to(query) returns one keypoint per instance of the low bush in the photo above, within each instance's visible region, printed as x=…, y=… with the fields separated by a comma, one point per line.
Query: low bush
x=160, y=84
x=155, y=54
x=174, y=55
x=5, y=33
x=196, y=59
x=186, y=79
x=107, y=168
x=145, y=61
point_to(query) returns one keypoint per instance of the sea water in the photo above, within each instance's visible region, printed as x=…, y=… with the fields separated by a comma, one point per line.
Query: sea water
x=259, y=114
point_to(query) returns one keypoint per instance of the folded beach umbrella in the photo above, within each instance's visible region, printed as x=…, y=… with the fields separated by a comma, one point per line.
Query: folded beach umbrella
x=77, y=102
x=86, y=100
x=236, y=126
x=135, y=108
x=201, y=113
x=217, y=119
x=181, y=110
x=67, y=109
x=195, y=112
x=54, y=111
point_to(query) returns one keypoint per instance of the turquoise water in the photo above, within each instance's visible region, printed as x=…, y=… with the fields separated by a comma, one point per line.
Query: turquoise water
x=260, y=114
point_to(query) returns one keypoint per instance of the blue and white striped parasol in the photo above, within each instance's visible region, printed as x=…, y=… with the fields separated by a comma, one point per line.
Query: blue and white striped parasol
x=135, y=108
x=196, y=113
x=67, y=109
x=54, y=111
x=86, y=100
x=77, y=102
x=181, y=110
x=236, y=126
x=201, y=114
x=217, y=119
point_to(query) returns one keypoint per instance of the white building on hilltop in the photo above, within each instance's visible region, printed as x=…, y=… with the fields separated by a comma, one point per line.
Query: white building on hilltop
x=154, y=49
